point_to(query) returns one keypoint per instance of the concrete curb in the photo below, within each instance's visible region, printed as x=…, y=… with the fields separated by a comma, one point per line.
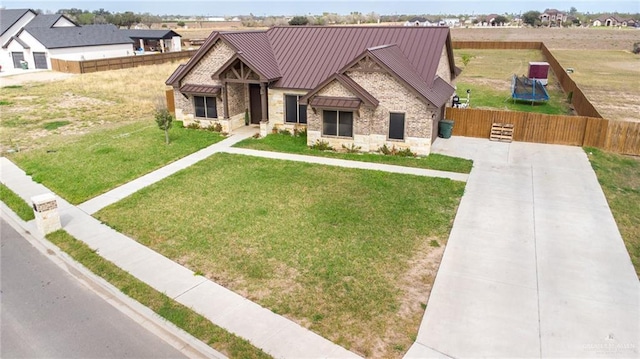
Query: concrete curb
x=167, y=331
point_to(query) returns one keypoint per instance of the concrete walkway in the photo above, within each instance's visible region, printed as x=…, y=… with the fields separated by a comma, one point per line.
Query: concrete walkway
x=276, y=335
x=97, y=203
x=349, y=164
x=535, y=265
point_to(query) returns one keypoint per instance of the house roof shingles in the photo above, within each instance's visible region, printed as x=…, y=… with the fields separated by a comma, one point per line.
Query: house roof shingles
x=149, y=34
x=46, y=20
x=89, y=35
x=8, y=17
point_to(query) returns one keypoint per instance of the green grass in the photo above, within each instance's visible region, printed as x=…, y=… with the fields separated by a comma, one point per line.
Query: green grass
x=5, y=103
x=619, y=177
x=17, y=204
x=12, y=87
x=55, y=124
x=488, y=75
x=178, y=314
x=95, y=163
x=339, y=250
x=298, y=145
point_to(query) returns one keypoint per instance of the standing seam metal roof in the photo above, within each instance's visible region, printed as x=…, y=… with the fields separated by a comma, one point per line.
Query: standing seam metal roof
x=393, y=58
x=302, y=57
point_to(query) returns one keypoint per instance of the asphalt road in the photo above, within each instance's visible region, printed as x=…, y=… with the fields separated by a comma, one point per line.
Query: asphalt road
x=45, y=312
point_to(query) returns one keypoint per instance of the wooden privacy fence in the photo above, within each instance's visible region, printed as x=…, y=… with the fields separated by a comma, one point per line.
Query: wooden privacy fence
x=115, y=63
x=615, y=136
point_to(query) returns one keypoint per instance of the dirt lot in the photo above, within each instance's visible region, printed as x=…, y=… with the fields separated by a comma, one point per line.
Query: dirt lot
x=555, y=38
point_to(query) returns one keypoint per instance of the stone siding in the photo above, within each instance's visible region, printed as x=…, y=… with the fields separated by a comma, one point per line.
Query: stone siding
x=201, y=73
x=444, y=70
x=276, y=108
x=236, y=98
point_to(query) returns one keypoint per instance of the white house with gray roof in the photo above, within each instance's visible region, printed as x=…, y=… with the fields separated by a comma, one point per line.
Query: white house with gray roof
x=37, y=39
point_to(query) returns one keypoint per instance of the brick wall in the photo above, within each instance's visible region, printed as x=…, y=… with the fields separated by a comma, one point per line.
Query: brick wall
x=201, y=73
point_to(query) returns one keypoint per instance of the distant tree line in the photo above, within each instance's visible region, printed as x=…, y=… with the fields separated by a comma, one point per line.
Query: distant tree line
x=128, y=18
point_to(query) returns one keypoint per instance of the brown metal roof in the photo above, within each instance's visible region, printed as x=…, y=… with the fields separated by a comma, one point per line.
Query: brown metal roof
x=254, y=49
x=395, y=61
x=175, y=74
x=303, y=56
x=200, y=89
x=348, y=103
x=307, y=55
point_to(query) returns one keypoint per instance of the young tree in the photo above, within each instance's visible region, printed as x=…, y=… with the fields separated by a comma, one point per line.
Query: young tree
x=164, y=119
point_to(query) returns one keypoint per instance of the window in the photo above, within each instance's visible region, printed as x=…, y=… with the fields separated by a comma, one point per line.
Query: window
x=337, y=123
x=205, y=106
x=396, y=126
x=294, y=111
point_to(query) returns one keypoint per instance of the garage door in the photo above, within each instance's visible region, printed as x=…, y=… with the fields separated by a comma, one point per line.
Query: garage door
x=40, y=59
x=17, y=57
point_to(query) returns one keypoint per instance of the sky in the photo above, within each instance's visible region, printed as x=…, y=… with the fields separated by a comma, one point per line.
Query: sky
x=305, y=7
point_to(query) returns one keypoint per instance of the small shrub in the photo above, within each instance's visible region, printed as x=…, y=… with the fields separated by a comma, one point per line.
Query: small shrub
x=193, y=126
x=300, y=132
x=164, y=120
x=385, y=150
x=636, y=48
x=217, y=127
x=180, y=23
x=434, y=243
x=321, y=146
x=405, y=153
x=284, y=132
x=352, y=148
x=466, y=58
x=256, y=136
x=5, y=103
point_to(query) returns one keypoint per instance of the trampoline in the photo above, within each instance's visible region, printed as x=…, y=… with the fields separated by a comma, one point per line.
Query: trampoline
x=525, y=89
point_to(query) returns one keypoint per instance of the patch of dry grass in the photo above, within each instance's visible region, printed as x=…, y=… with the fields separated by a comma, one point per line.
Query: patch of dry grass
x=610, y=79
x=88, y=102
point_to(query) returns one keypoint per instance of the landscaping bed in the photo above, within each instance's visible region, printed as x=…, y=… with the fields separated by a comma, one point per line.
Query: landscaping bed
x=83, y=167
x=282, y=142
x=350, y=254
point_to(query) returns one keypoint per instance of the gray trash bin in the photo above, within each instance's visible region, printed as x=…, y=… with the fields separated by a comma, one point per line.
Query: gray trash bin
x=445, y=127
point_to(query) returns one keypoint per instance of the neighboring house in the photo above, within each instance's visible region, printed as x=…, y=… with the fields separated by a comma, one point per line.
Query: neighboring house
x=361, y=86
x=11, y=23
x=613, y=20
x=155, y=40
x=553, y=17
x=55, y=36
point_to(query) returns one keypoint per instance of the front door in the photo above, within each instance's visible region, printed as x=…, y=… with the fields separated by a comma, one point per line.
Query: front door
x=255, y=103
x=17, y=58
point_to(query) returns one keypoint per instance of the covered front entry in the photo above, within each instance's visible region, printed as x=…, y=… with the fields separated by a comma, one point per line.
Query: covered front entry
x=255, y=104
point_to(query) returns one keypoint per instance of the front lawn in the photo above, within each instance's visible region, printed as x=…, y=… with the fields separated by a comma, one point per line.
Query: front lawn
x=17, y=204
x=350, y=254
x=619, y=177
x=83, y=167
x=298, y=144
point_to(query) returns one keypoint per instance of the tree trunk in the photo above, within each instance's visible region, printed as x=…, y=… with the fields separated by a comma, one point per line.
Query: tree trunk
x=166, y=135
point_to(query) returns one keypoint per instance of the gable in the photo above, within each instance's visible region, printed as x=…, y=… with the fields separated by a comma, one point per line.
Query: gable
x=14, y=19
x=200, y=73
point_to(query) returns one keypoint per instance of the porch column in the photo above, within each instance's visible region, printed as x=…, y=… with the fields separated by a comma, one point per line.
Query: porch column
x=225, y=100
x=263, y=100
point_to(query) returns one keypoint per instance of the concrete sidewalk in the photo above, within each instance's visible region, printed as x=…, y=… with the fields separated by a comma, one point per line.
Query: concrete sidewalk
x=349, y=163
x=276, y=335
x=535, y=265
x=99, y=202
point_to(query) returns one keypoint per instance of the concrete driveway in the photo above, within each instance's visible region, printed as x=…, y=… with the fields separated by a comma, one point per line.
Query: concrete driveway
x=535, y=265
